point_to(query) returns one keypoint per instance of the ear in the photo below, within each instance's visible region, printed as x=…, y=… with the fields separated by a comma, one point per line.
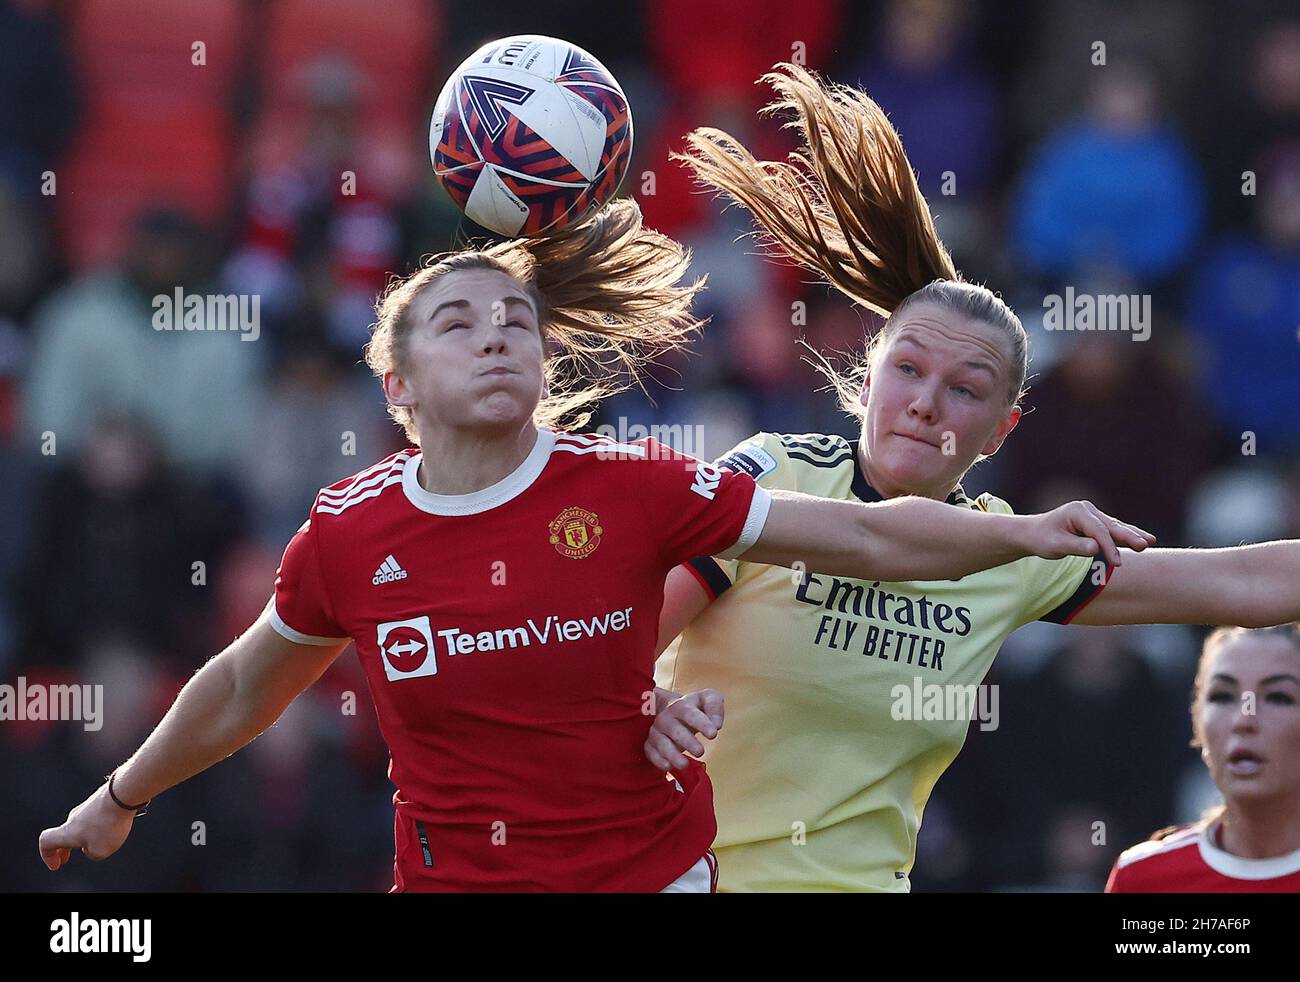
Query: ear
x=1003, y=431
x=396, y=391
x=866, y=391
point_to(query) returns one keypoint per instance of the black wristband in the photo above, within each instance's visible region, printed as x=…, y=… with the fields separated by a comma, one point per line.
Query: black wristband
x=138, y=809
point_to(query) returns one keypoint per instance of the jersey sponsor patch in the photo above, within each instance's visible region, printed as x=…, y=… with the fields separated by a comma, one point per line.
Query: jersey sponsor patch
x=753, y=460
x=407, y=649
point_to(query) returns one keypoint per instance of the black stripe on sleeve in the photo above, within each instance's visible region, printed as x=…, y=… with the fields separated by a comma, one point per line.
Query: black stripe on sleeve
x=822, y=462
x=1084, y=595
x=818, y=445
x=709, y=573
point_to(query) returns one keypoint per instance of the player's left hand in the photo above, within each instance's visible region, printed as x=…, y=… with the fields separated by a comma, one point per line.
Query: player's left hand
x=673, y=734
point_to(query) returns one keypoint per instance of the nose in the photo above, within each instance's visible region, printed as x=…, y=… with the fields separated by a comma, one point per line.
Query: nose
x=494, y=338
x=1246, y=720
x=923, y=405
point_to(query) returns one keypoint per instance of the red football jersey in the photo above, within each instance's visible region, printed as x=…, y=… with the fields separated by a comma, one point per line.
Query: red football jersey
x=508, y=639
x=1191, y=860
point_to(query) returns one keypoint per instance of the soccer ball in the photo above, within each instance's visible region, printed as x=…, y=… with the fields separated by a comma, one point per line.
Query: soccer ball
x=529, y=134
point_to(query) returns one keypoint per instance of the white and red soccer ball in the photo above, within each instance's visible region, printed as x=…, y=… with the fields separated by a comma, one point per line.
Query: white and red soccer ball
x=530, y=133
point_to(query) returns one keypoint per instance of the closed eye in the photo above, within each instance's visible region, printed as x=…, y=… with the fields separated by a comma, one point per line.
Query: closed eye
x=1219, y=696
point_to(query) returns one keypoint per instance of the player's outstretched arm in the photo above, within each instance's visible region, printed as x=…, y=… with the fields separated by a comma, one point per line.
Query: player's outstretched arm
x=911, y=538
x=1246, y=586
x=232, y=699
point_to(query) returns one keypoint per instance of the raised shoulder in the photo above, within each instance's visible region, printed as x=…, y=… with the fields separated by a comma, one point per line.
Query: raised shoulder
x=1180, y=838
x=366, y=485
x=816, y=449
x=807, y=462
x=596, y=447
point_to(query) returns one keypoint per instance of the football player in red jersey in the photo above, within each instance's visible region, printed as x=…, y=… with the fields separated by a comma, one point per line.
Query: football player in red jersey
x=1246, y=720
x=502, y=580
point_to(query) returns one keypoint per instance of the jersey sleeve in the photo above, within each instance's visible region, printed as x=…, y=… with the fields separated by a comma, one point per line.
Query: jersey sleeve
x=1054, y=590
x=763, y=458
x=693, y=508
x=302, y=612
x=1057, y=589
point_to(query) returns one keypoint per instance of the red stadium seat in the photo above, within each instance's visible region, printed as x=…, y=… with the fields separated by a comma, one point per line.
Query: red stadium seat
x=395, y=59
x=122, y=162
x=395, y=50
x=157, y=127
x=141, y=51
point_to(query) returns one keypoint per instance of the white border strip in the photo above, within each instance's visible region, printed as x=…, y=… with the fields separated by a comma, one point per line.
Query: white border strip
x=759, y=506
x=297, y=637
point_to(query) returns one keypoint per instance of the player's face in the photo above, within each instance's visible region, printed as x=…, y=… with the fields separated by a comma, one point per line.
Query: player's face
x=1248, y=718
x=474, y=354
x=937, y=397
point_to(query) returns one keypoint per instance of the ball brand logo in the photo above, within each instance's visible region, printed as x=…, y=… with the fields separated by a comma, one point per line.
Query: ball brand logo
x=407, y=649
x=508, y=53
x=575, y=533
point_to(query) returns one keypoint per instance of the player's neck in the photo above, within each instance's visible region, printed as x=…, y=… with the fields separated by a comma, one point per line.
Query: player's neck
x=465, y=461
x=1263, y=830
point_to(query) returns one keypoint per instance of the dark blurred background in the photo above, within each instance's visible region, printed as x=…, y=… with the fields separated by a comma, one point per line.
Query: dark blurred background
x=127, y=170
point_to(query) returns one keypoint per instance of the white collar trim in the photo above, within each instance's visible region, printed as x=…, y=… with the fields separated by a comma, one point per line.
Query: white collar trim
x=1240, y=868
x=511, y=486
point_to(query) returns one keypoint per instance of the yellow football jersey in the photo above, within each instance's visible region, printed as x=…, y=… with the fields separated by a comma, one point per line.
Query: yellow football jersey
x=845, y=699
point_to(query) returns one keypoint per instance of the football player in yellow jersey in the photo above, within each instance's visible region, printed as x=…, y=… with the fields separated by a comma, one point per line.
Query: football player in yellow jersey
x=847, y=699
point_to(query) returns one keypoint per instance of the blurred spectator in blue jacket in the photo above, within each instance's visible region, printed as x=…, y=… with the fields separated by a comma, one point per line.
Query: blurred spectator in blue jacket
x=1245, y=308
x=1116, y=190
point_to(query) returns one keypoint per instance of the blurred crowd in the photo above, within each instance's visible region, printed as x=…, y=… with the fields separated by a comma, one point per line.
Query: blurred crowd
x=151, y=479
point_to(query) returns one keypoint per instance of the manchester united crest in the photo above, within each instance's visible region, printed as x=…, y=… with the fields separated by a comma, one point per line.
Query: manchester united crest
x=575, y=533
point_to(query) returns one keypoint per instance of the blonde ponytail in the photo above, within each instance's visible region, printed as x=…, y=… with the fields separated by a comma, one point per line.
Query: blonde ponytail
x=609, y=297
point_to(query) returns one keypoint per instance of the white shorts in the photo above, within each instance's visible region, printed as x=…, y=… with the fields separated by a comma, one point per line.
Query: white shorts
x=700, y=878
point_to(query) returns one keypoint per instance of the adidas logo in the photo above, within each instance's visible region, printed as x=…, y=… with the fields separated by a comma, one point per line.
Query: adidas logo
x=388, y=571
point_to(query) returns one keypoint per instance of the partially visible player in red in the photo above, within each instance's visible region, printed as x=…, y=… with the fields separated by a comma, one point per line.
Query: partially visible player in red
x=1246, y=720
x=502, y=580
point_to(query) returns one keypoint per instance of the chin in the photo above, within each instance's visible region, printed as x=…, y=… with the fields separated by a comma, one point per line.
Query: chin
x=504, y=409
x=1251, y=789
x=908, y=471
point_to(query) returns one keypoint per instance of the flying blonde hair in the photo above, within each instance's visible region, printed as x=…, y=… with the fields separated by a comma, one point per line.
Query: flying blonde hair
x=609, y=299
x=846, y=206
